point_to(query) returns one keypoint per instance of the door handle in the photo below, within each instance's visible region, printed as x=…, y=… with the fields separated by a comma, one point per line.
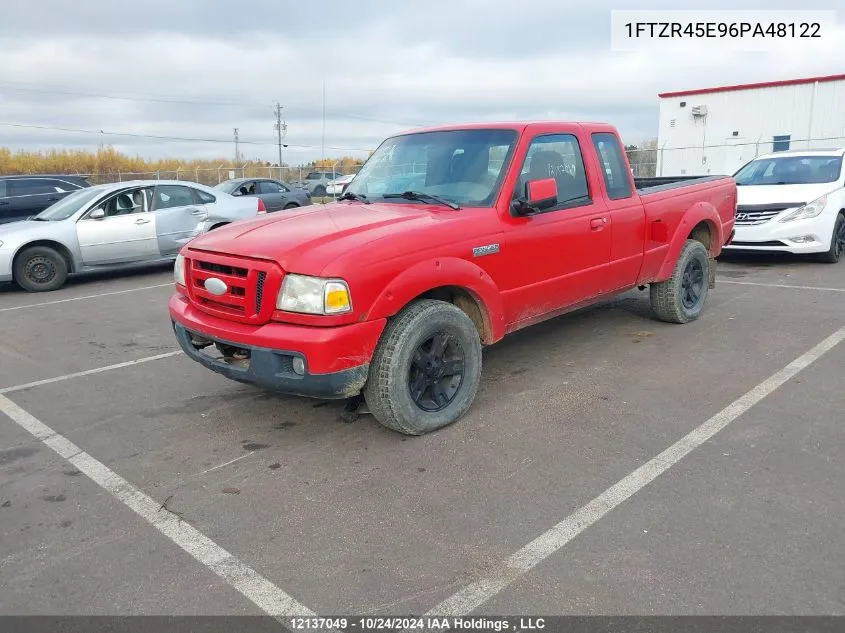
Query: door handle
x=197, y=212
x=598, y=223
x=142, y=221
x=4, y=202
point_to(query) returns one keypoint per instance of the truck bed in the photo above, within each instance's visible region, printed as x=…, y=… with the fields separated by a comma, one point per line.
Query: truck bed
x=646, y=186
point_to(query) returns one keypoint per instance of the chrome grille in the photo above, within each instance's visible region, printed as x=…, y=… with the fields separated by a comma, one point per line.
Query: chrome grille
x=247, y=280
x=756, y=214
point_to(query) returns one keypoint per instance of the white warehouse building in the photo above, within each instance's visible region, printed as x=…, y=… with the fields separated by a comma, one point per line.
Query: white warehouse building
x=717, y=130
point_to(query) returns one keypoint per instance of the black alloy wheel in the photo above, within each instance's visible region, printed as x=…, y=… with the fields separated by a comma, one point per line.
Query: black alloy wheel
x=692, y=284
x=436, y=372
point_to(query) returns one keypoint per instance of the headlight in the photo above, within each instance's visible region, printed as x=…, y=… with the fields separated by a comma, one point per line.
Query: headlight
x=809, y=210
x=179, y=270
x=313, y=295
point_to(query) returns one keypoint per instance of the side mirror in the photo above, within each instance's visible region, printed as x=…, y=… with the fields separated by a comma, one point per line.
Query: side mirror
x=97, y=214
x=539, y=195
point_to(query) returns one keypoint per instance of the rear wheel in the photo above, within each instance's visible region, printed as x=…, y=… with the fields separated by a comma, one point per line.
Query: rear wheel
x=40, y=269
x=426, y=368
x=291, y=205
x=837, y=243
x=681, y=298
x=319, y=191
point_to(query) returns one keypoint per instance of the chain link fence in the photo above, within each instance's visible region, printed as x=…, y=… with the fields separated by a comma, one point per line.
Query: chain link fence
x=213, y=176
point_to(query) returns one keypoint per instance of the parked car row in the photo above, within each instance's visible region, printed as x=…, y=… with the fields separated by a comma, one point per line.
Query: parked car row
x=113, y=226
x=790, y=202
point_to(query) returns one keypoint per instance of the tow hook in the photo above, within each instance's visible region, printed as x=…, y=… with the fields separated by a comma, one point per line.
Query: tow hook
x=199, y=342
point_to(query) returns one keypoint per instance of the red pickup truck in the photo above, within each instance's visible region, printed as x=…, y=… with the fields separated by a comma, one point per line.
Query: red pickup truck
x=447, y=240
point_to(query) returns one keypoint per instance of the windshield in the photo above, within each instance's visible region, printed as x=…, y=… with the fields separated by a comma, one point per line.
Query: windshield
x=462, y=166
x=69, y=205
x=790, y=170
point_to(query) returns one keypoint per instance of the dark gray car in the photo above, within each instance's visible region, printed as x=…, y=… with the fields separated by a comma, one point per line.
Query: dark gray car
x=277, y=195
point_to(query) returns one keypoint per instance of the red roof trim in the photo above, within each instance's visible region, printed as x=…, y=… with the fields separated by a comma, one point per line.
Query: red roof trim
x=764, y=84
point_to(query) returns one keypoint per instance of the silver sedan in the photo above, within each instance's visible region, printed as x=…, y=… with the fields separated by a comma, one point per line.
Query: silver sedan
x=114, y=226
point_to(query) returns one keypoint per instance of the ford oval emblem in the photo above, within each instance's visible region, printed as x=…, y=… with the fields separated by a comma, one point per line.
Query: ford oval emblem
x=216, y=286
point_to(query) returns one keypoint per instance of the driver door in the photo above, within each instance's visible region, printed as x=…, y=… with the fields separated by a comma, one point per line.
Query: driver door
x=122, y=229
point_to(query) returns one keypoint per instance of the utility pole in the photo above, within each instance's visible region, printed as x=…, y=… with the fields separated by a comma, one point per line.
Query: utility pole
x=237, y=149
x=281, y=131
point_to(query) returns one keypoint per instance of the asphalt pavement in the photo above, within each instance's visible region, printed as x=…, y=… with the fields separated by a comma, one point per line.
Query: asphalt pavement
x=586, y=479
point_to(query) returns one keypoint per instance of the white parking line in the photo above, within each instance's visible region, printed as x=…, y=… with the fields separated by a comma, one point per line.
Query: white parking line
x=754, y=283
x=263, y=593
x=102, y=294
x=538, y=550
x=88, y=372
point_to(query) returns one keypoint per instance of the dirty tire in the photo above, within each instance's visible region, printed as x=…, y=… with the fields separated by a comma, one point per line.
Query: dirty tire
x=40, y=269
x=291, y=205
x=672, y=300
x=407, y=341
x=837, y=243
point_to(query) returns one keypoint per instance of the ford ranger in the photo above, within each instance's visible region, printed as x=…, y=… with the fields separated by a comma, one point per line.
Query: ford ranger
x=447, y=240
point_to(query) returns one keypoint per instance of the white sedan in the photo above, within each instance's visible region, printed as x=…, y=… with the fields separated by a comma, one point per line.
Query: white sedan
x=337, y=186
x=114, y=226
x=792, y=202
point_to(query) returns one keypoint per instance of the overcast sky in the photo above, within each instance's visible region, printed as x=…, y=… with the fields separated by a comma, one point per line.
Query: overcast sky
x=198, y=68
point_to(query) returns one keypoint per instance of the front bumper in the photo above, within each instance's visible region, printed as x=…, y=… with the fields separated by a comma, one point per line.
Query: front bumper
x=774, y=236
x=336, y=360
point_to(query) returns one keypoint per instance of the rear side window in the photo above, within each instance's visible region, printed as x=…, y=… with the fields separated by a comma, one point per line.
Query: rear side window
x=616, y=177
x=170, y=196
x=266, y=186
x=35, y=186
x=204, y=198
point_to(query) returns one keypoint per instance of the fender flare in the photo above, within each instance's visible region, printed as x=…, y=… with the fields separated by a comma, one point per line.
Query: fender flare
x=697, y=213
x=437, y=273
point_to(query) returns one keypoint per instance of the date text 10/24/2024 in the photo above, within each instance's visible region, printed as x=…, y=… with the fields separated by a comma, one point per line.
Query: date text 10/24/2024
x=367, y=624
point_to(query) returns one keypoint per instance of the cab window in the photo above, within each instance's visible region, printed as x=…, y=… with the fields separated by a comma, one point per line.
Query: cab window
x=557, y=156
x=613, y=170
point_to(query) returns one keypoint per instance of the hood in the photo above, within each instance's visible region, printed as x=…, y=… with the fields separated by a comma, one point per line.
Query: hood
x=311, y=237
x=782, y=194
x=10, y=229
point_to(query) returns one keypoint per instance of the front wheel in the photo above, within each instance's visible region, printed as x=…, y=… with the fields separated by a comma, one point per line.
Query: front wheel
x=40, y=269
x=426, y=368
x=680, y=299
x=837, y=243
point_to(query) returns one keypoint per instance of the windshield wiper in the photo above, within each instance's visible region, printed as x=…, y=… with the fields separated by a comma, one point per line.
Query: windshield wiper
x=349, y=195
x=425, y=197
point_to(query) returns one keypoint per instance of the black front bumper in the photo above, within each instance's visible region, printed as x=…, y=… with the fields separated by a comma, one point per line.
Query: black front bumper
x=273, y=369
